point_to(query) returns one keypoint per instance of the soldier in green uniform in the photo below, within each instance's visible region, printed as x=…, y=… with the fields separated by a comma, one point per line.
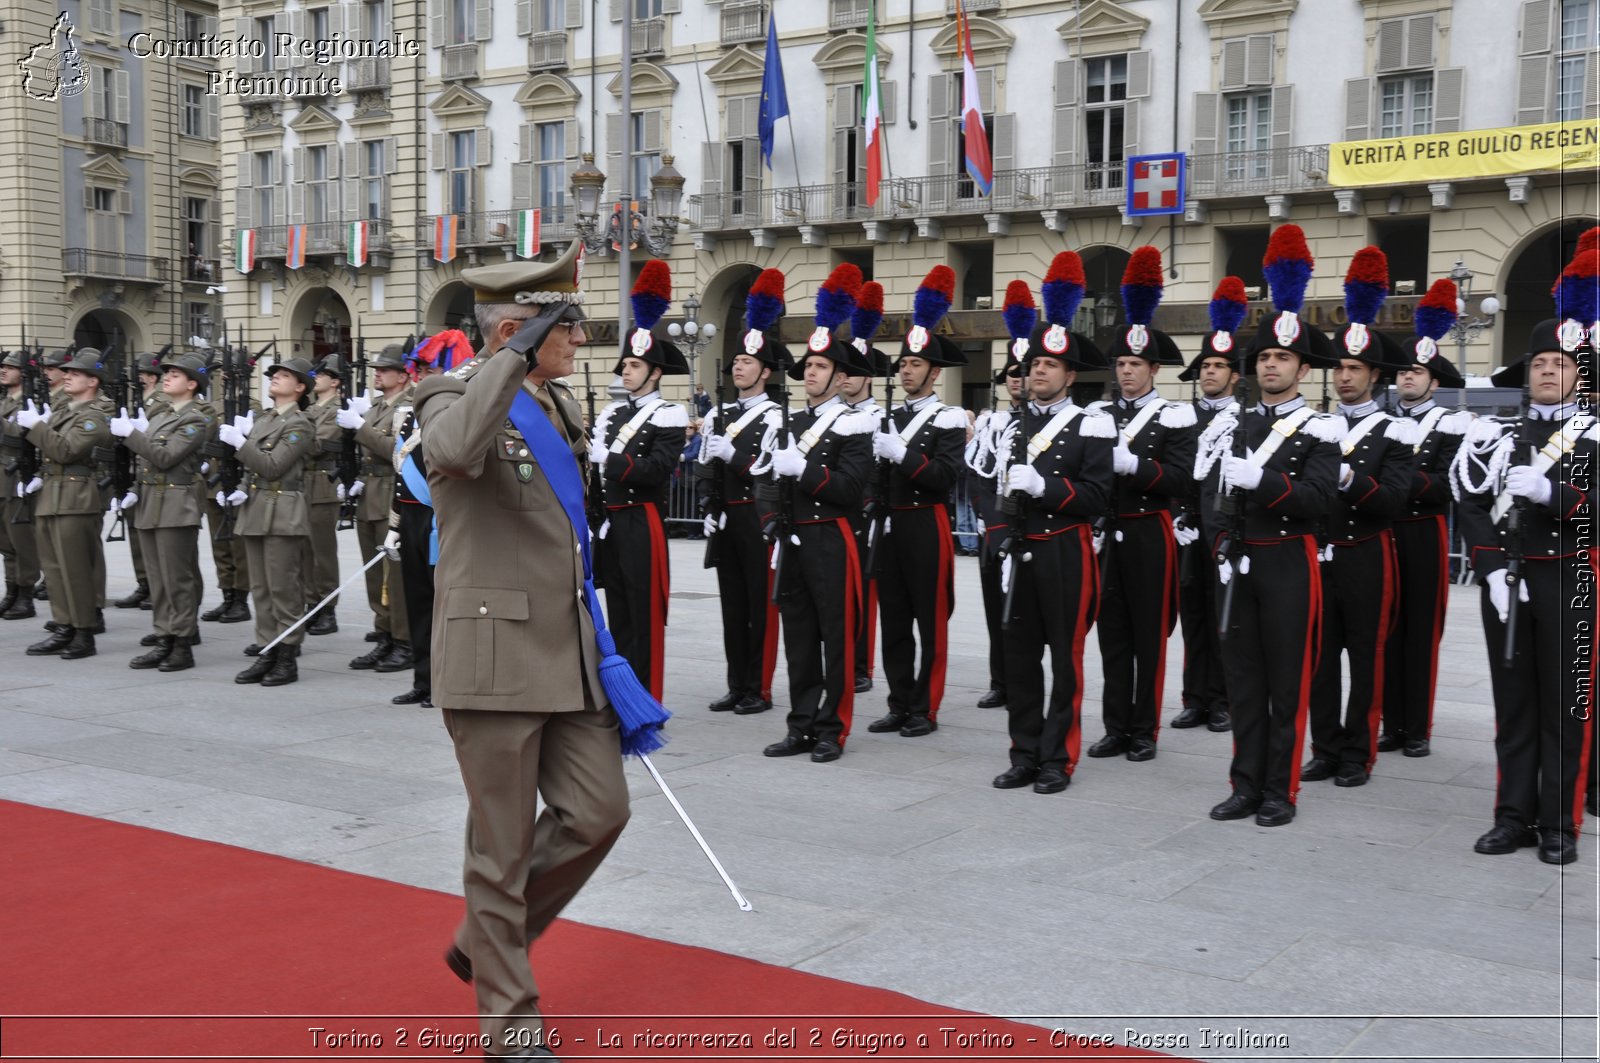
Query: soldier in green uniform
x=372, y=418
x=17, y=544
x=232, y=563
x=273, y=448
x=323, y=496
x=151, y=401
x=71, y=507
x=167, y=437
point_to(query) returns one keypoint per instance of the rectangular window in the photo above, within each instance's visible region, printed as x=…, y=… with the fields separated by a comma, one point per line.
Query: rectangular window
x=265, y=28
x=105, y=199
x=1577, y=26
x=373, y=20
x=372, y=171
x=198, y=315
x=1405, y=106
x=549, y=15
x=1104, y=117
x=194, y=111
x=105, y=223
x=550, y=167
x=646, y=8
x=197, y=233
x=316, y=179
x=645, y=161
x=317, y=24
x=1570, y=71
x=1249, y=134
x=463, y=162
x=264, y=214
x=194, y=26
x=461, y=21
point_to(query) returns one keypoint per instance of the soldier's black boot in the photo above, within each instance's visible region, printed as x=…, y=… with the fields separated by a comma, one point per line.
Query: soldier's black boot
x=10, y=599
x=258, y=667
x=41, y=593
x=81, y=645
x=153, y=659
x=235, y=611
x=371, y=658
x=324, y=623
x=181, y=657
x=99, y=627
x=140, y=595
x=215, y=613
x=57, y=642
x=398, y=659
x=285, y=669
x=21, y=608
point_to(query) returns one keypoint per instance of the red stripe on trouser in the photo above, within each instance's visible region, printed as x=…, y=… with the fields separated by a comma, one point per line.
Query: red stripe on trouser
x=1312, y=650
x=852, y=608
x=943, y=604
x=1387, y=614
x=660, y=588
x=1441, y=586
x=1586, y=697
x=1169, y=604
x=872, y=627
x=769, y=646
x=1089, y=591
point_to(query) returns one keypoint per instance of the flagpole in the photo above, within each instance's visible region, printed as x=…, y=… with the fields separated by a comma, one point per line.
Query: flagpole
x=795, y=152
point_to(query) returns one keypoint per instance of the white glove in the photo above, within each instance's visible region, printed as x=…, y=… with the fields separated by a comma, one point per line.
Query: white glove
x=889, y=446
x=356, y=487
x=1347, y=476
x=1240, y=473
x=122, y=425
x=1185, y=534
x=140, y=421
x=28, y=416
x=1500, y=592
x=1025, y=478
x=391, y=544
x=338, y=489
x=205, y=467
x=245, y=424
x=1526, y=482
x=708, y=526
x=360, y=404
x=717, y=448
x=231, y=435
x=789, y=461
x=129, y=500
x=347, y=419
x=1097, y=540
x=598, y=453
x=238, y=498
x=1225, y=571
x=1123, y=462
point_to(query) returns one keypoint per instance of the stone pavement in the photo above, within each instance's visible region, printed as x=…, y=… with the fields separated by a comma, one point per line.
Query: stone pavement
x=1367, y=929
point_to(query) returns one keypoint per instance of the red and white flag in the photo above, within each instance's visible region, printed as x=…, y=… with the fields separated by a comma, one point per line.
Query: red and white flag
x=872, y=109
x=444, y=237
x=980, y=166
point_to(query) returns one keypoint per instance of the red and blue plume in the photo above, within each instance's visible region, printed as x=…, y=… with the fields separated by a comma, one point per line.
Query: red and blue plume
x=868, y=313
x=1019, y=312
x=1142, y=286
x=446, y=350
x=1577, y=291
x=1366, y=285
x=1287, y=266
x=1436, y=311
x=652, y=294
x=764, y=305
x=1228, y=305
x=934, y=296
x=1063, y=288
x=836, y=299
x=1588, y=241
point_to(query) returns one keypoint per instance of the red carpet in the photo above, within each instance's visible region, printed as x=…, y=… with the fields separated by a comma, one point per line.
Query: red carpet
x=122, y=942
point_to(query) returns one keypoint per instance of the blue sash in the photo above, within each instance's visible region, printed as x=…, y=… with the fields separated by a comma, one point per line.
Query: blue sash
x=417, y=484
x=560, y=468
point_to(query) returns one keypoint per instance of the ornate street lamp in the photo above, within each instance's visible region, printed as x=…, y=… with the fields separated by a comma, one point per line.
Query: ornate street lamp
x=1467, y=328
x=692, y=336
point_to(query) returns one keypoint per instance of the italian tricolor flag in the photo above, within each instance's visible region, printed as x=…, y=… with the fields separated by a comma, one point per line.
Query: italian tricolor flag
x=528, y=233
x=357, y=241
x=872, y=109
x=245, y=245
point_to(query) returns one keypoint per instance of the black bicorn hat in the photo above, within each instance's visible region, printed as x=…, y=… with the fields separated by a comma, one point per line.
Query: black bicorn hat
x=1142, y=288
x=651, y=299
x=836, y=301
x=1287, y=266
x=1227, y=311
x=928, y=308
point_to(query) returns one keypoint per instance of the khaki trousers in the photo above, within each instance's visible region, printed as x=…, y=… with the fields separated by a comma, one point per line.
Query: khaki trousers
x=233, y=567
x=322, y=546
x=17, y=543
x=75, y=566
x=276, y=585
x=172, y=558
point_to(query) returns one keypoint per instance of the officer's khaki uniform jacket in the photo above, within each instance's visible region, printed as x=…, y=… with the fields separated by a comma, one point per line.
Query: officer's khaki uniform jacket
x=274, y=458
x=510, y=629
x=169, y=484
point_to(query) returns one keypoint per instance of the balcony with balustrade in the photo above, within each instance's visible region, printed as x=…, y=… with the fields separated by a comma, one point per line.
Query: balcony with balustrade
x=87, y=263
x=497, y=229
x=104, y=133
x=326, y=239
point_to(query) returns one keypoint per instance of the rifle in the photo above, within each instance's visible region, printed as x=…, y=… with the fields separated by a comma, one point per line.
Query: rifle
x=1232, y=506
x=1015, y=508
x=781, y=526
x=594, y=495
x=124, y=383
x=1516, y=549
x=235, y=399
x=349, y=464
x=36, y=388
x=878, y=510
x=715, y=501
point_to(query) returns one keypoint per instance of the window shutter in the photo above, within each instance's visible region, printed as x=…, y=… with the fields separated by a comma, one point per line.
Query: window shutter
x=526, y=135
x=986, y=92
x=391, y=157
x=614, y=151
x=521, y=186
x=843, y=175
x=1258, y=59
x=440, y=150
x=710, y=185
x=91, y=106
x=1591, y=87
x=752, y=176
x=671, y=7
x=1065, y=135
x=941, y=134
x=213, y=118
x=652, y=130
x=844, y=108
x=1282, y=129
x=297, y=202
x=524, y=17
x=1005, y=143
x=1538, y=28
x=350, y=186
x=483, y=20
x=243, y=30
x=119, y=96
x=437, y=37
x=1447, y=96
x=570, y=136
x=297, y=29
x=300, y=173
x=574, y=14
x=1138, y=75
x=124, y=201
x=1533, y=89
x=336, y=22
x=1203, y=144
x=1391, y=45
x=886, y=101
x=1419, y=41
x=1233, y=64
x=243, y=191
x=88, y=197
x=276, y=158
x=1130, y=128
x=1357, y=108
x=616, y=10
x=482, y=142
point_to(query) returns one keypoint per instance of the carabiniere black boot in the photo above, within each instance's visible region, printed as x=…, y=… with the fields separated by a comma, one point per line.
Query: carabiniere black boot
x=258, y=668
x=153, y=659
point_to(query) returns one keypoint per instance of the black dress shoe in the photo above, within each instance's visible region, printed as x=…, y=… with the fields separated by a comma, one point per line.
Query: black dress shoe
x=1236, y=807
x=326, y=622
x=791, y=746
x=58, y=641
x=459, y=962
x=1142, y=749
x=1109, y=746
x=1221, y=720
x=995, y=699
x=1051, y=781
x=892, y=722
x=863, y=684
x=1015, y=776
x=398, y=659
x=1557, y=847
x=253, y=650
x=751, y=704
x=1416, y=747
x=82, y=645
x=1389, y=741
x=1316, y=769
x=1191, y=716
x=1351, y=775
x=824, y=751
x=917, y=726
x=726, y=702
x=410, y=697
x=1274, y=812
x=1505, y=838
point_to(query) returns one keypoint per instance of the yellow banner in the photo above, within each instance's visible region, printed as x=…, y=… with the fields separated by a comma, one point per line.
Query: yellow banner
x=1475, y=153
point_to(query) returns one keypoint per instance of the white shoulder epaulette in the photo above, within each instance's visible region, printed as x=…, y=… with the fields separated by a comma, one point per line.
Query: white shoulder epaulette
x=708, y=423
x=1097, y=424
x=1328, y=427
x=1098, y=404
x=951, y=417
x=670, y=415
x=983, y=420
x=854, y=423
x=1404, y=430
x=1455, y=424
x=1177, y=415
x=1486, y=430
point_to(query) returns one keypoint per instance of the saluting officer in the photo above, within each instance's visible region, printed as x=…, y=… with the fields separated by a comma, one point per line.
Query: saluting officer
x=71, y=506
x=820, y=469
x=1154, y=465
x=372, y=419
x=322, y=494
x=1276, y=495
x=1421, y=532
x=1526, y=490
x=857, y=391
x=167, y=515
x=1215, y=373
x=1358, y=572
x=17, y=543
x=730, y=448
x=1058, y=480
x=923, y=443
x=637, y=444
x=273, y=448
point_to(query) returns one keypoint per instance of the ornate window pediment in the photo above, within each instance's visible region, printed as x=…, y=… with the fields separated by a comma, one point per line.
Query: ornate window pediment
x=848, y=51
x=313, y=120
x=547, y=90
x=1104, y=28
x=458, y=101
x=648, y=80
x=1235, y=18
x=990, y=41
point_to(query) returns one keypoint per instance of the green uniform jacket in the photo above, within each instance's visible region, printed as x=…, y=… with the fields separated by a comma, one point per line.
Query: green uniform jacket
x=12, y=451
x=169, y=484
x=67, y=442
x=376, y=436
x=323, y=469
x=274, y=458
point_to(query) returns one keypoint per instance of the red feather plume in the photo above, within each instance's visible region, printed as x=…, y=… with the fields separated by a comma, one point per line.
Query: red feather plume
x=1066, y=266
x=770, y=282
x=655, y=278
x=1231, y=289
x=1589, y=240
x=870, y=298
x=941, y=279
x=1144, y=267
x=1369, y=266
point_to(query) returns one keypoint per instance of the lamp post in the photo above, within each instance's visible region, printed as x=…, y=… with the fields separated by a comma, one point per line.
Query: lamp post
x=693, y=335
x=1467, y=328
x=656, y=234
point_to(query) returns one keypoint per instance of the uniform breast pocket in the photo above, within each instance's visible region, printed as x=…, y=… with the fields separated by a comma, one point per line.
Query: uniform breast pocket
x=486, y=641
x=519, y=484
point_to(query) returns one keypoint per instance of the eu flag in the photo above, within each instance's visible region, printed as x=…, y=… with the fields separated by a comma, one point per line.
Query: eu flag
x=774, y=97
